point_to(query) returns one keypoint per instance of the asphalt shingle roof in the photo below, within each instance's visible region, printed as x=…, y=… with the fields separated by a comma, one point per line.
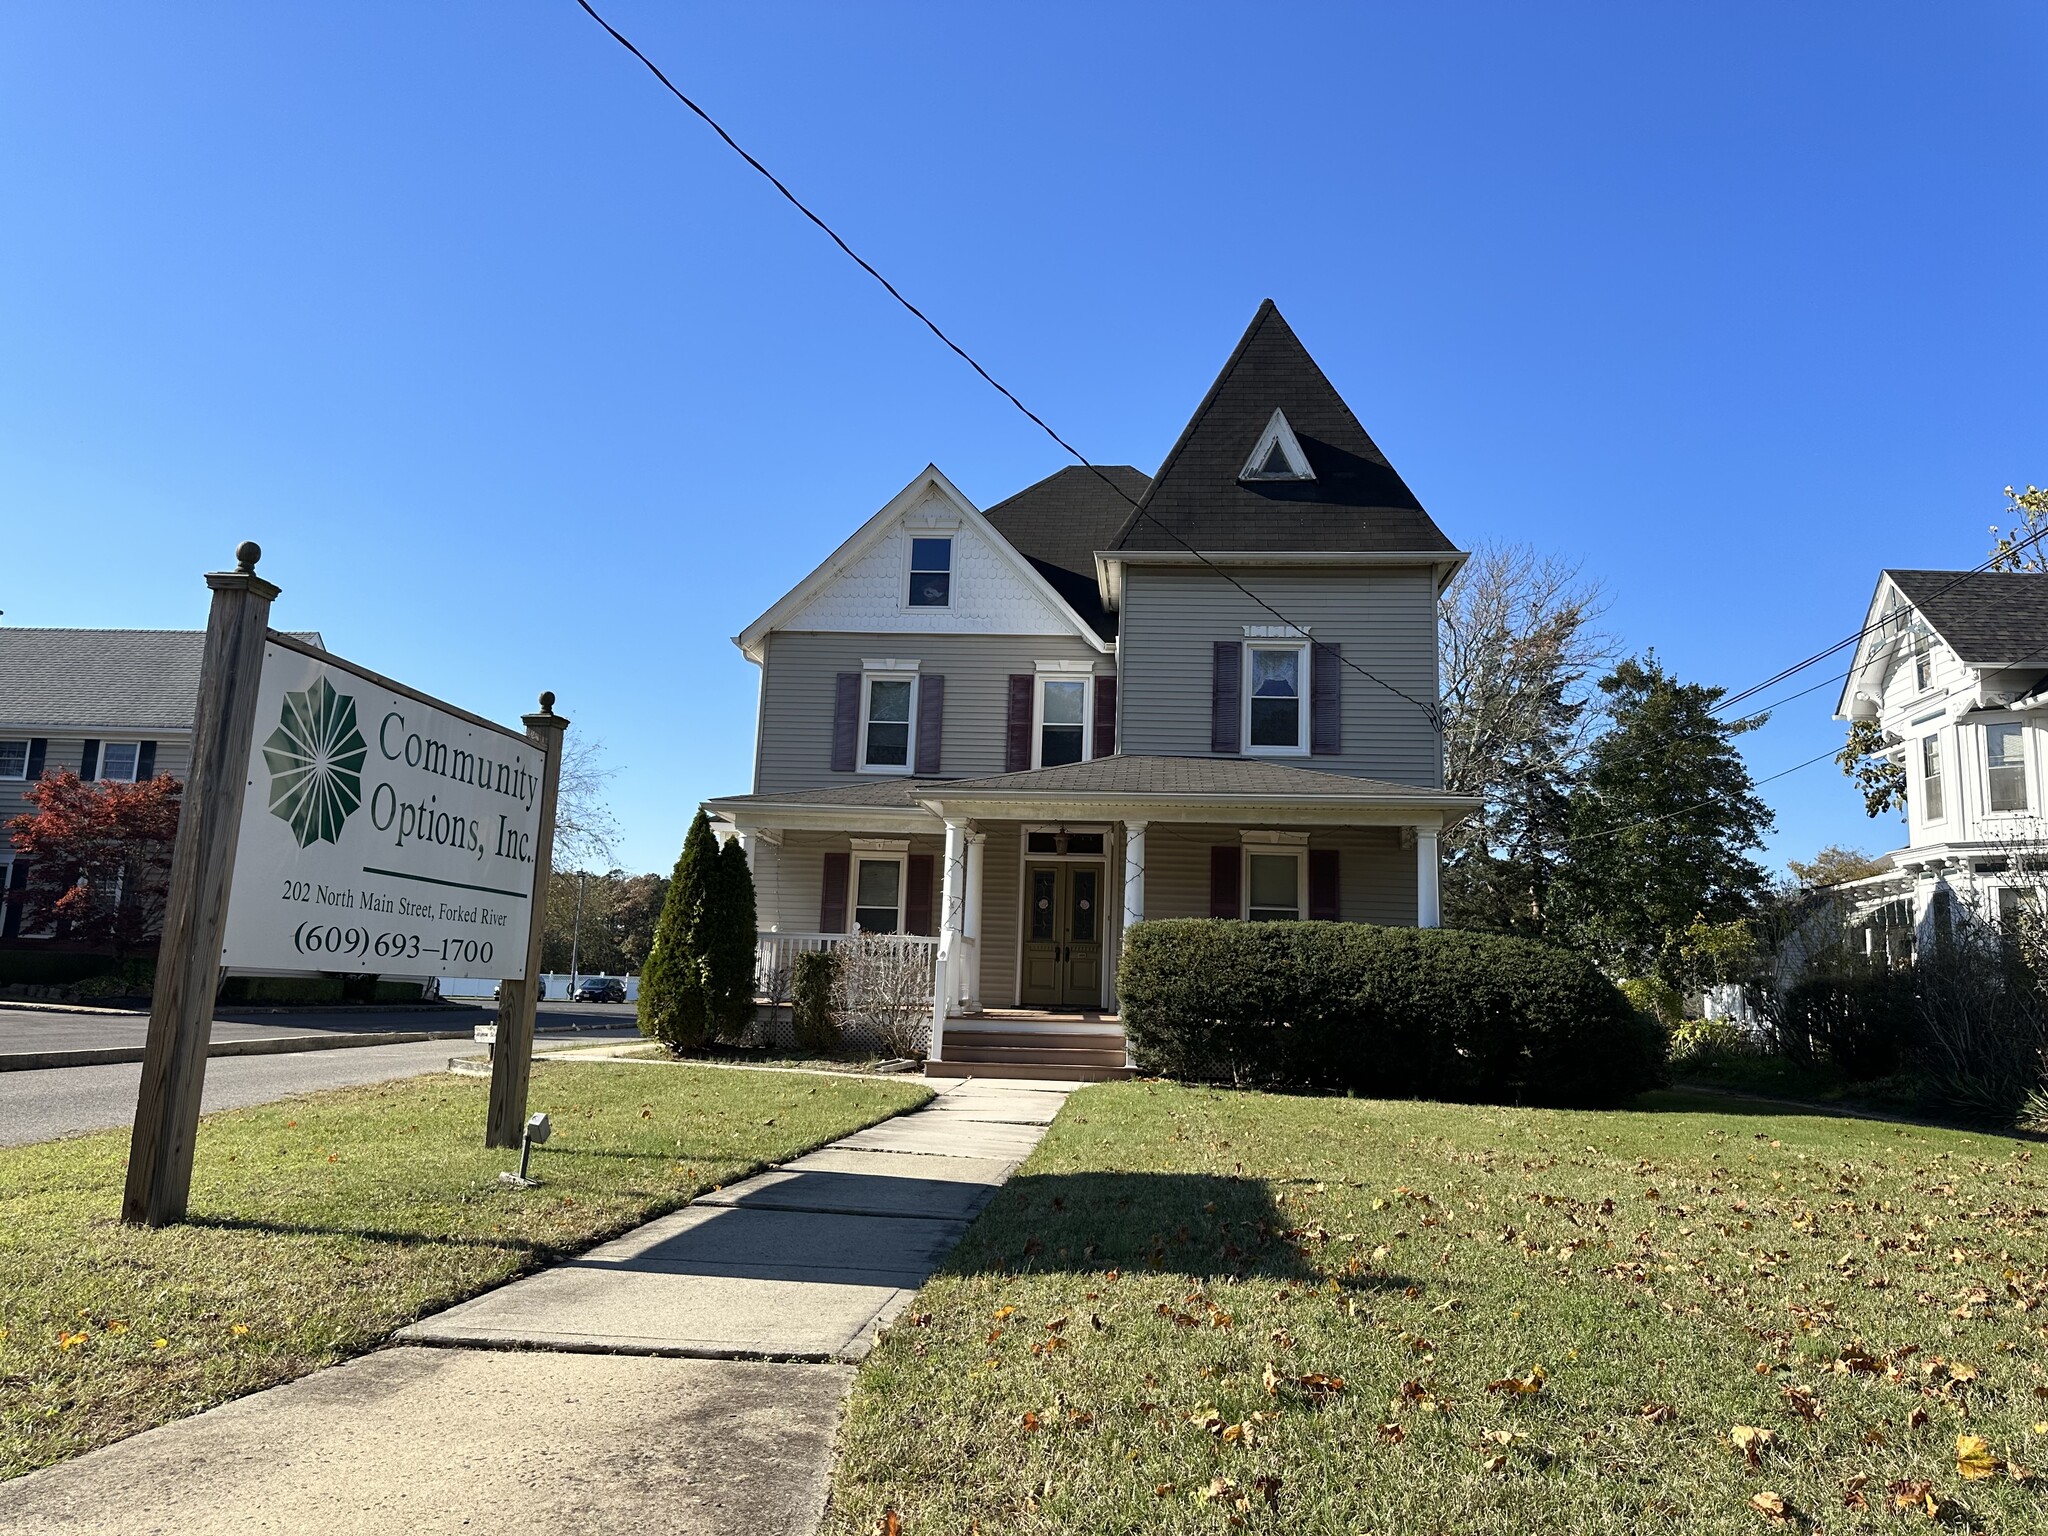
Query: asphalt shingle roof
x=1357, y=502
x=1988, y=618
x=103, y=679
x=1059, y=523
x=890, y=793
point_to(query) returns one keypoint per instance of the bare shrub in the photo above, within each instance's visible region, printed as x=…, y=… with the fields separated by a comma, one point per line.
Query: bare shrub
x=882, y=993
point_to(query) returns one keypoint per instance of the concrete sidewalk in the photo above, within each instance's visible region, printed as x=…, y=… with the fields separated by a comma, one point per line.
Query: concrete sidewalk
x=687, y=1377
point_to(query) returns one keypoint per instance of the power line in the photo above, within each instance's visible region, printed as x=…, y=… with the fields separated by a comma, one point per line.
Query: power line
x=1433, y=712
x=1647, y=821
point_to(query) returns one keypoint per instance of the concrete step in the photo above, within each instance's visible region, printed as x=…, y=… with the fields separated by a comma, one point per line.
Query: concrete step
x=1077, y=1074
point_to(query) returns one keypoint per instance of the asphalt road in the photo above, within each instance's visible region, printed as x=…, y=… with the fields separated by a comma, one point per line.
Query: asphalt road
x=64, y=1101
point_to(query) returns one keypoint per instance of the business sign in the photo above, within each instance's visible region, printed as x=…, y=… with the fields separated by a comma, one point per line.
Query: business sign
x=382, y=831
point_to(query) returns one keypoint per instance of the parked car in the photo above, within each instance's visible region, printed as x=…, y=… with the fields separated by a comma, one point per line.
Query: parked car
x=599, y=989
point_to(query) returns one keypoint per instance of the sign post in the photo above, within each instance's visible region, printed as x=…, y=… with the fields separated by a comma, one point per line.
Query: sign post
x=195, y=915
x=512, y=1054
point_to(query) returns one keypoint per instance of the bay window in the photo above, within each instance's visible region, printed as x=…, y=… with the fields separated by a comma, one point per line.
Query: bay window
x=2005, y=759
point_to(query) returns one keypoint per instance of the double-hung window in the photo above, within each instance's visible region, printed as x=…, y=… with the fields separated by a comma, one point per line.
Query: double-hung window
x=931, y=573
x=1062, y=720
x=1923, y=663
x=1276, y=697
x=878, y=895
x=13, y=759
x=2005, y=759
x=1273, y=882
x=118, y=760
x=885, y=723
x=1933, y=802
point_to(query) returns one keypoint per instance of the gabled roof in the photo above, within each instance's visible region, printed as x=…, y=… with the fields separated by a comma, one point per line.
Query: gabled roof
x=928, y=483
x=1059, y=523
x=103, y=679
x=1988, y=618
x=1357, y=502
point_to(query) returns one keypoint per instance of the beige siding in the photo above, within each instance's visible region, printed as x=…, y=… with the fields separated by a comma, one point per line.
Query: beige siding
x=1384, y=619
x=173, y=756
x=789, y=897
x=798, y=677
x=1002, y=904
x=1375, y=874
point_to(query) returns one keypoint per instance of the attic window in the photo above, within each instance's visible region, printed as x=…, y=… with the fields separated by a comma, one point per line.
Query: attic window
x=931, y=573
x=1277, y=455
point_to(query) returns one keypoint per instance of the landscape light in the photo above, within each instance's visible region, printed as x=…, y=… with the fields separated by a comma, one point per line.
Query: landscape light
x=537, y=1130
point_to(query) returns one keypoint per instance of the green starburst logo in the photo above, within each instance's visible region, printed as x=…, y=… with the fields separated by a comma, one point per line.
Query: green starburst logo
x=316, y=763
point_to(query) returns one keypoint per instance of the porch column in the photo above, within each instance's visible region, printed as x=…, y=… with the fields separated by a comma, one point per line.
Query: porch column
x=969, y=989
x=1134, y=874
x=1428, y=913
x=952, y=904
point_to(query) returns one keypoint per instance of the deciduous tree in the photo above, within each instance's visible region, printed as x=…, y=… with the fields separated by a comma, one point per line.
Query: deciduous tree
x=99, y=857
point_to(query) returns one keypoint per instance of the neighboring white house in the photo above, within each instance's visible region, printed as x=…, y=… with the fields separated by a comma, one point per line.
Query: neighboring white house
x=1954, y=670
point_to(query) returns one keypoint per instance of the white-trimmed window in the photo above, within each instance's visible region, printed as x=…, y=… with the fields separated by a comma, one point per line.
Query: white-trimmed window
x=878, y=883
x=118, y=760
x=1063, y=723
x=13, y=762
x=931, y=571
x=1276, y=696
x=1277, y=454
x=1923, y=662
x=1275, y=884
x=1933, y=800
x=2005, y=766
x=888, y=716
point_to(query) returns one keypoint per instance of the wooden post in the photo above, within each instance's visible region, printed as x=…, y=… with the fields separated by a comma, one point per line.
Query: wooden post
x=202, y=867
x=512, y=1057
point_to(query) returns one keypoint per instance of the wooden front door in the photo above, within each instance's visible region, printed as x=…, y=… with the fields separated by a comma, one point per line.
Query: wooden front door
x=1062, y=935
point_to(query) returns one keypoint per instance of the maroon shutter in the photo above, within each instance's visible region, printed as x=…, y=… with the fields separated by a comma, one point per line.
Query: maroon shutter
x=1105, y=717
x=832, y=899
x=1326, y=700
x=1225, y=705
x=145, y=762
x=931, y=726
x=1225, y=869
x=1324, y=903
x=917, y=894
x=845, y=725
x=1017, y=736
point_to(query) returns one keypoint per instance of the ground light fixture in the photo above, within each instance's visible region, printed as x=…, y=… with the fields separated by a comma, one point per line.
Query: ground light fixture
x=537, y=1130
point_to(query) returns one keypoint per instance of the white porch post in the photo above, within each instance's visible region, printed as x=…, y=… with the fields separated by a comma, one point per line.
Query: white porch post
x=1134, y=898
x=952, y=902
x=969, y=990
x=1428, y=913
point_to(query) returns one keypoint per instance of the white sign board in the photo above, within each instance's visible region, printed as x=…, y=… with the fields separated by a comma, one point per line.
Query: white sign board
x=381, y=832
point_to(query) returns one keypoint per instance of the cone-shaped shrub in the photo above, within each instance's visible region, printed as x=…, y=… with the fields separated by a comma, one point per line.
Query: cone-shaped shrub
x=675, y=1000
x=729, y=942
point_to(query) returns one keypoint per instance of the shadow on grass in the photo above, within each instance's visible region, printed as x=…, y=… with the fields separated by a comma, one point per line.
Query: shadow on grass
x=367, y=1234
x=1202, y=1226
x=1707, y=1099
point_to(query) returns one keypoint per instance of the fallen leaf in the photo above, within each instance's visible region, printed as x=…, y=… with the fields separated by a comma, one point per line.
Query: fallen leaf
x=1658, y=1413
x=1494, y=1463
x=1029, y=1422
x=1973, y=1457
x=1770, y=1505
x=1519, y=1385
x=1393, y=1434
x=1751, y=1441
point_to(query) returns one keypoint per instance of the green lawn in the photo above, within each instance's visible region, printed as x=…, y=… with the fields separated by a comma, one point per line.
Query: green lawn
x=1540, y=1320
x=320, y=1224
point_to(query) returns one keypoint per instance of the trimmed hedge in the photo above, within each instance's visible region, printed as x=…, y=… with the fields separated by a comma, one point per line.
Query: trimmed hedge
x=1385, y=1012
x=812, y=977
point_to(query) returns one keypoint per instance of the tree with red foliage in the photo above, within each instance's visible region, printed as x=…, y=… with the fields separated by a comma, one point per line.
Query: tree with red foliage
x=99, y=857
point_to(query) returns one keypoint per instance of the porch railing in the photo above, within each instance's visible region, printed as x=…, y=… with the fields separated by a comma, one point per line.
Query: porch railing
x=775, y=955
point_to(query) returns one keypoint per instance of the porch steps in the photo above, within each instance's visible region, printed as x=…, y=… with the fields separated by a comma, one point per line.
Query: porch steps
x=1064, y=1055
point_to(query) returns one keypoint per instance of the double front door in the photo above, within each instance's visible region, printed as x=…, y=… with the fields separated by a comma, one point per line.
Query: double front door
x=1062, y=935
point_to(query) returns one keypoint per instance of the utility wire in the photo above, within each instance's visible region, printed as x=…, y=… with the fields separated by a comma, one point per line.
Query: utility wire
x=1433, y=712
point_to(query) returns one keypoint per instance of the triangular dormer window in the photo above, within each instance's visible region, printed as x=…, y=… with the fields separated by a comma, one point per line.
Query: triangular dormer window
x=1277, y=455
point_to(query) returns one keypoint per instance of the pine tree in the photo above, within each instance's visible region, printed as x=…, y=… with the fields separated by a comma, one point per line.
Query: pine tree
x=729, y=941
x=675, y=998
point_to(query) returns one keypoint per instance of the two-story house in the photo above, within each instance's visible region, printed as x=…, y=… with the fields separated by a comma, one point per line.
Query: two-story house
x=107, y=704
x=1953, y=668
x=1207, y=693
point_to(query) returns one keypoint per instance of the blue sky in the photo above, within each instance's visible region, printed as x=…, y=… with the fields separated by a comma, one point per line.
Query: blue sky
x=523, y=381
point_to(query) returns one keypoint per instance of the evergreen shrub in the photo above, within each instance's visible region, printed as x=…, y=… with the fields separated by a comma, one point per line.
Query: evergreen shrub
x=729, y=940
x=1385, y=1012
x=813, y=976
x=675, y=996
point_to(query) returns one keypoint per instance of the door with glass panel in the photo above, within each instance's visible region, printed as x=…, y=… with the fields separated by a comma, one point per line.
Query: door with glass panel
x=1062, y=936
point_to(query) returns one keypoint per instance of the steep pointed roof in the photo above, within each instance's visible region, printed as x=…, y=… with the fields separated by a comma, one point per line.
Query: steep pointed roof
x=1059, y=523
x=1356, y=501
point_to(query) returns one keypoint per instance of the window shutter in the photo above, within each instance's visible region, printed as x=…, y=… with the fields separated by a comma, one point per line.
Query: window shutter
x=832, y=899
x=1225, y=705
x=89, y=762
x=11, y=904
x=917, y=894
x=1017, y=737
x=38, y=746
x=845, y=726
x=1225, y=867
x=931, y=727
x=1105, y=717
x=1326, y=700
x=145, y=762
x=1324, y=903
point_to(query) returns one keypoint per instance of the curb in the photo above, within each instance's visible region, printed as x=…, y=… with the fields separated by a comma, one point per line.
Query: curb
x=287, y=1045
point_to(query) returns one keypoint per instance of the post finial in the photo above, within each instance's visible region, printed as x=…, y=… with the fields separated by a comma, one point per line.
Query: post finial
x=247, y=553
x=547, y=703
